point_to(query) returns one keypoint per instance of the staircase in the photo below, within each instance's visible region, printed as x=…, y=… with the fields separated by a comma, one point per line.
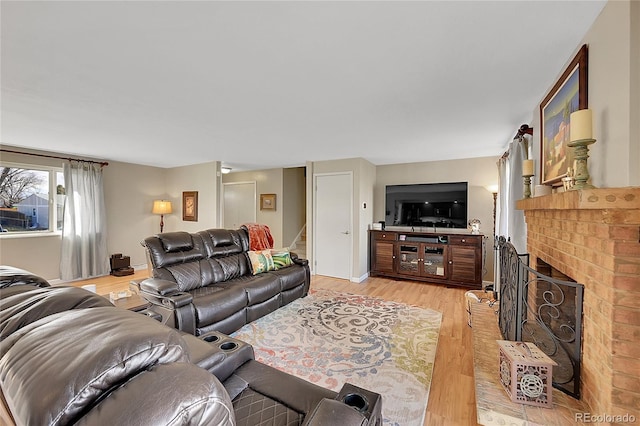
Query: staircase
x=299, y=246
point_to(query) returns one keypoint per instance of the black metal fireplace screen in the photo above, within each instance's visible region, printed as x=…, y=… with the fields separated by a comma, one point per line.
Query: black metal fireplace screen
x=546, y=311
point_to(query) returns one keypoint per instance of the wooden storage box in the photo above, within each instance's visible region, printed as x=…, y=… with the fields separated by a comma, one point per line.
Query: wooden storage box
x=526, y=373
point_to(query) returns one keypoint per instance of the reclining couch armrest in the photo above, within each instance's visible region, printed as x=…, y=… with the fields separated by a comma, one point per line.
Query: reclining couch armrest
x=175, y=306
x=299, y=261
x=159, y=287
x=332, y=412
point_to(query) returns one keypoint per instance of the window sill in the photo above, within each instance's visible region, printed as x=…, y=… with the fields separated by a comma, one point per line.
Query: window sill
x=33, y=234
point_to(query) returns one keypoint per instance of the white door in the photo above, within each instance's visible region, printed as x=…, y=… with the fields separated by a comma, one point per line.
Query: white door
x=333, y=234
x=239, y=204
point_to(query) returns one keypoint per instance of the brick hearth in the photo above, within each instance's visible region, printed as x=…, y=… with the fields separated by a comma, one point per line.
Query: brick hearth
x=593, y=236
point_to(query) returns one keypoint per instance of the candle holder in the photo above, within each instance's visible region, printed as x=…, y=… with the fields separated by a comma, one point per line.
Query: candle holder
x=527, y=186
x=581, y=154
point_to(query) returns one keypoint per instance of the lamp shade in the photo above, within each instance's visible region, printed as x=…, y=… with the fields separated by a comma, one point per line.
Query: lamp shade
x=161, y=207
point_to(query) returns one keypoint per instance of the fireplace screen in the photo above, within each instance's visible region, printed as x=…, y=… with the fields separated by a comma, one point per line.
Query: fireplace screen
x=537, y=308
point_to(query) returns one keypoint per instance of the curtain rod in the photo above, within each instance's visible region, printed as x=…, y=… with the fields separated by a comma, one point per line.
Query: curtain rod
x=102, y=163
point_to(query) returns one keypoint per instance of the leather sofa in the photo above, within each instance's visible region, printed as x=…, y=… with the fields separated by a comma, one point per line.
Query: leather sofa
x=204, y=281
x=67, y=356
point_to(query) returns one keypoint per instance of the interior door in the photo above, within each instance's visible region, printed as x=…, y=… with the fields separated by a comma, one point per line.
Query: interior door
x=333, y=234
x=239, y=204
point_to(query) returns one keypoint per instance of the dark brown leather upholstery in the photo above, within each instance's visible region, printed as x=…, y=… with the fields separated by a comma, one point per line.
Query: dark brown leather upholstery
x=12, y=276
x=28, y=304
x=86, y=355
x=175, y=394
x=98, y=365
x=203, y=281
x=329, y=409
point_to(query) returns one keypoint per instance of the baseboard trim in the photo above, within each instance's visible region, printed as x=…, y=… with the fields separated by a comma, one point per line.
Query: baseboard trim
x=140, y=267
x=359, y=280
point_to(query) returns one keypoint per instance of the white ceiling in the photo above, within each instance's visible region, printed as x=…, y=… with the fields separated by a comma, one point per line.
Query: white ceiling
x=274, y=84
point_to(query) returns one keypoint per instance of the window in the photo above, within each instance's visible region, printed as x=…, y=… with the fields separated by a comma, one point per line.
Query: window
x=31, y=198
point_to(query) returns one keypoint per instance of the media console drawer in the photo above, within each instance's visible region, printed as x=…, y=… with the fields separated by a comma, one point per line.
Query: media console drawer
x=390, y=236
x=467, y=240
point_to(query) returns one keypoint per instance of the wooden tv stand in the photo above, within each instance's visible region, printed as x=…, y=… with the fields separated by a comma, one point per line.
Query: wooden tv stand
x=438, y=257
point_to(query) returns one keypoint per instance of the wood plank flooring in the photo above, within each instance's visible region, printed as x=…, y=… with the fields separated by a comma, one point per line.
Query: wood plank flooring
x=452, y=395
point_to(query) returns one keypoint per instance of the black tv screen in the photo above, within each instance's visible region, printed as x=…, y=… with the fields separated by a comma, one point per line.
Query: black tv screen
x=443, y=205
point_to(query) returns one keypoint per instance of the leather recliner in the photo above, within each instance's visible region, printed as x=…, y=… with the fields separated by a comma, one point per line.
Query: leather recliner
x=203, y=281
x=67, y=356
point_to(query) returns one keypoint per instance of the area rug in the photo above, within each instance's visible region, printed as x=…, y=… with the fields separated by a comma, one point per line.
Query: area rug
x=330, y=338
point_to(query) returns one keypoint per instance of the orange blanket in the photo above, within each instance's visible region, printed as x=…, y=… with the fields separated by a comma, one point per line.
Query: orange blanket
x=259, y=236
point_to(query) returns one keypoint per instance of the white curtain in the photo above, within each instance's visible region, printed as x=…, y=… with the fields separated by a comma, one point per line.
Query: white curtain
x=510, y=221
x=84, y=230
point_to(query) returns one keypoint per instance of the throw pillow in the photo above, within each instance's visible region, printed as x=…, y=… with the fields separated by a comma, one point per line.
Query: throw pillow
x=261, y=261
x=281, y=258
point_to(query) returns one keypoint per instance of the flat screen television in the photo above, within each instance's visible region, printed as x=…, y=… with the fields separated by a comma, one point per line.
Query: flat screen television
x=443, y=205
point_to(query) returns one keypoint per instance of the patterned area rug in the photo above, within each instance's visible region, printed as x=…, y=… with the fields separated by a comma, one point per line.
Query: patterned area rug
x=330, y=338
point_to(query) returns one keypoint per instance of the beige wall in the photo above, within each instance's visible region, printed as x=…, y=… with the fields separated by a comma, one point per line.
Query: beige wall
x=365, y=207
x=268, y=181
x=613, y=94
x=129, y=191
x=203, y=178
x=478, y=172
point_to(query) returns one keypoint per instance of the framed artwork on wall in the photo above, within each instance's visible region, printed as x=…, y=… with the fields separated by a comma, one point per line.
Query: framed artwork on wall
x=267, y=201
x=569, y=94
x=190, y=206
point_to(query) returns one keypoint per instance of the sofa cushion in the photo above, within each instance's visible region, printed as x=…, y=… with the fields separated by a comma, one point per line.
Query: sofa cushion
x=222, y=242
x=167, y=394
x=281, y=258
x=188, y=275
x=176, y=241
x=19, y=310
x=261, y=261
x=217, y=301
x=291, y=277
x=173, y=248
x=259, y=288
x=12, y=276
x=229, y=267
x=81, y=354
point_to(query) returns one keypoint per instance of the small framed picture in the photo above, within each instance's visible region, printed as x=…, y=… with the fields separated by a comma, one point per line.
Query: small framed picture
x=190, y=206
x=267, y=201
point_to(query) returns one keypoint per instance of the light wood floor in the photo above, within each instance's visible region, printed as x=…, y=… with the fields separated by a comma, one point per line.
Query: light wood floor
x=452, y=395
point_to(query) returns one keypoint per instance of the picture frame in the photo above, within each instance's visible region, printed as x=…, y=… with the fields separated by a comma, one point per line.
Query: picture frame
x=569, y=94
x=267, y=201
x=190, y=206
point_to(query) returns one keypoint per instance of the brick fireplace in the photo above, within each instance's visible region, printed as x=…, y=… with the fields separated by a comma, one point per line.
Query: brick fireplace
x=593, y=237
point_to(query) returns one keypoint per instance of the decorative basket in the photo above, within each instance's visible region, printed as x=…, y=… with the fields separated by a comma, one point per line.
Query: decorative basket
x=526, y=373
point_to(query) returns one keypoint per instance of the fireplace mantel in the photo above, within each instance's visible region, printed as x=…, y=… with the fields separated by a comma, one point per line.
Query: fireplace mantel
x=598, y=198
x=593, y=236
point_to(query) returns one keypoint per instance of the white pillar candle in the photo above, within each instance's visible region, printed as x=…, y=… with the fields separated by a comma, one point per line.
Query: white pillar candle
x=581, y=126
x=527, y=168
